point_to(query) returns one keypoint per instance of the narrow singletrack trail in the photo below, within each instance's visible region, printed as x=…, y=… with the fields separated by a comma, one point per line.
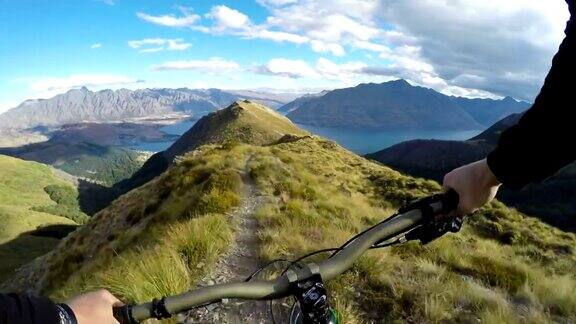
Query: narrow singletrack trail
x=239, y=262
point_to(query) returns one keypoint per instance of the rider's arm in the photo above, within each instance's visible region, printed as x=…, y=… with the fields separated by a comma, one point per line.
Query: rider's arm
x=91, y=308
x=543, y=141
x=15, y=308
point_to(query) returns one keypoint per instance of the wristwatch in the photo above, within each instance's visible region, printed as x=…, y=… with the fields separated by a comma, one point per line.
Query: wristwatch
x=66, y=314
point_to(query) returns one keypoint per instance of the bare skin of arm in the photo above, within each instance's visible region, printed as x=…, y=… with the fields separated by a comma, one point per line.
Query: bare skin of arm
x=475, y=183
x=94, y=307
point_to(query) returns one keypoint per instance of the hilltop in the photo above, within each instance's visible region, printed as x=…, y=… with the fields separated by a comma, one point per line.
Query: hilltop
x=242, y=122
x=37, y=208
x=397, y=105
x=171, y=233
x=83, y=105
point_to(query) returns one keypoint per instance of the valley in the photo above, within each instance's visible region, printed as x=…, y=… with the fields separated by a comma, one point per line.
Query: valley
x=173, y=230
x=283, y=161
x=552, y=200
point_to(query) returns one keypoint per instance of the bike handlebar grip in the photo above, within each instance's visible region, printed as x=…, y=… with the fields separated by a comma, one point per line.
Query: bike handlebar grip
x=450, y=201
x=123, y=314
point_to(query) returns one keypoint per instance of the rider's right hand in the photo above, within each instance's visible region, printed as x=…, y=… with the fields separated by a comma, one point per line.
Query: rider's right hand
x=94, y=307
x=475, y=184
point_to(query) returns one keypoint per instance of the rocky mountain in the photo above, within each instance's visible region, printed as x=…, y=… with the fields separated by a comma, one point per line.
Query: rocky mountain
x=295, y=104
x=397, y=105
x=83, y=105
x=487, y=111
x=552, y=200
x=268, y=190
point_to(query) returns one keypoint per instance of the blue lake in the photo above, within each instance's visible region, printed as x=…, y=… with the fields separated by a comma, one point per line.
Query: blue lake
x=363, y=142
x=174, y=129
x=358, y=141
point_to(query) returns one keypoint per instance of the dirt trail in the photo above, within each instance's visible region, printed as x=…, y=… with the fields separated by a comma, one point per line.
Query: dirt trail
x=236, y=265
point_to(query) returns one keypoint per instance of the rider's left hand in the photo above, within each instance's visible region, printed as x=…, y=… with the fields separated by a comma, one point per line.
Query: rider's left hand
x=94, y=307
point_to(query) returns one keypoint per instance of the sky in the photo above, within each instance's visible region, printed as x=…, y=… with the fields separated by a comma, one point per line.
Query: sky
x=471, y=48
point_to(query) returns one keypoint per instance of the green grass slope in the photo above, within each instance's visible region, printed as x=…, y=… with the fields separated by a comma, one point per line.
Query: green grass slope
x=105, y=164
x=242, y=122
x=502, y=267
x=31, y=196
x=110, y=167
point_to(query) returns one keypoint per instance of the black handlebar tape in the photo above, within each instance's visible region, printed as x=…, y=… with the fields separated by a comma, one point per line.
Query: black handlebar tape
x=450, y=200
x=123, y=314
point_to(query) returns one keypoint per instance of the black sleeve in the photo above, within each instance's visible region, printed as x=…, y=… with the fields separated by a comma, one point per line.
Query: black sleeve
x=24, y=309
x=544, y=140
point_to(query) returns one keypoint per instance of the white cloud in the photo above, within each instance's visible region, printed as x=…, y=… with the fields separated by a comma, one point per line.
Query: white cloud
x=502, y=47
x=95, y=46
x=226, y=17
x=322, y=47
x=475, y=47
x=213, y=65
x=275, y=36
x=276, y=2
x=334, y=71
x=287, y=68
x=49, y=87
x=352, y=73
x=177, y=45
x=226, y=20
x=186, y=20
x=152, y=45
x=323, y=69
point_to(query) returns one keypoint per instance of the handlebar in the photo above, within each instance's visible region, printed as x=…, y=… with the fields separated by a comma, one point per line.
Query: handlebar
x=409, y=217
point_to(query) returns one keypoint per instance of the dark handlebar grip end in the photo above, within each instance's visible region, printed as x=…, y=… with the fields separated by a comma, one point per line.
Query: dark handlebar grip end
x=450, y=201
x=123, y=314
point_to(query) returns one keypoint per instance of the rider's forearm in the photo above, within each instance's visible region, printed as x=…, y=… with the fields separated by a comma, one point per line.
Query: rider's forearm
x=16, y=308
x=543, y=141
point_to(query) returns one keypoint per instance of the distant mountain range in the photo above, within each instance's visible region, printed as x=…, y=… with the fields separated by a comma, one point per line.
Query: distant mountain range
x=552, y=200
x=297, y=103
x=247, y=187
x=83, y=105
x=397, y=105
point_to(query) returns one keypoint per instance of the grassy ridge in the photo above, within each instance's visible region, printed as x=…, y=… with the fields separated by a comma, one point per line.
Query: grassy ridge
x=161, y=238
x=502, y=267
x=157, y=240
x=22, y=193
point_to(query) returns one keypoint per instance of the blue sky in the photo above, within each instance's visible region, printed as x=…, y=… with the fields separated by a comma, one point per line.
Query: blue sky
x=49, y=47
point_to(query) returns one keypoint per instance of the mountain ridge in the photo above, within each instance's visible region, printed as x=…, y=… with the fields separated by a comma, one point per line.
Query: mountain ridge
x=164, y=237
x=83, y=105
x=396, y=105
x=241, y=122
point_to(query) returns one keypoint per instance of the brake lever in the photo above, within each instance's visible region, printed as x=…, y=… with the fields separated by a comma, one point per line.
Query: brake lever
x=435, y=224
x=429, y=232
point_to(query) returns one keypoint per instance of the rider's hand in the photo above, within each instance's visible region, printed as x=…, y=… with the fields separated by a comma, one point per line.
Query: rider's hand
x=94, y=307
x=475, y=184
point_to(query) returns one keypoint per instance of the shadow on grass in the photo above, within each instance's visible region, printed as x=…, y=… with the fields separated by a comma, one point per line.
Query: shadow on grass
x=93, y=197
x=30, y=245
